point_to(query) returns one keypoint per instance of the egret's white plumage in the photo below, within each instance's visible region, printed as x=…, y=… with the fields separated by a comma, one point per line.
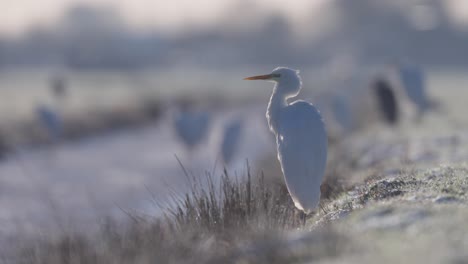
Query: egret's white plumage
x=191, y=126
x=300, y=136
x=231, y=139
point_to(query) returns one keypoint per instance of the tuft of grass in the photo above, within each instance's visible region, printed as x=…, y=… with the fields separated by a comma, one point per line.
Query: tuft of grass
x=212, y=222
x=246, y=204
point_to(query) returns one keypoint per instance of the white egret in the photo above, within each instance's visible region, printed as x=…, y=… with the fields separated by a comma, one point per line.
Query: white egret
x=300, y=136
x=191, y=126
x=51, y=121
x=231, y=137
x=412, y=79
x=50, y=117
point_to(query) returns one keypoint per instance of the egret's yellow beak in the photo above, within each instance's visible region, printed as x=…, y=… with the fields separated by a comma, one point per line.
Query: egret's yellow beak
x=259, y=77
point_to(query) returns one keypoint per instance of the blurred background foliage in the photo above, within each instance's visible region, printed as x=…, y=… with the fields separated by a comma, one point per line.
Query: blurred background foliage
x=98, y=36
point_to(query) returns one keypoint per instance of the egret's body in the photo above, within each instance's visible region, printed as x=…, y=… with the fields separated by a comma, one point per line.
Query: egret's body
x=231, y=139
x=192, y=127
x=300, y=136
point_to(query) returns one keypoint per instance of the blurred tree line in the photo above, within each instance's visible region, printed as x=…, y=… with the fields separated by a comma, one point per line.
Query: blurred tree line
x=89, y=37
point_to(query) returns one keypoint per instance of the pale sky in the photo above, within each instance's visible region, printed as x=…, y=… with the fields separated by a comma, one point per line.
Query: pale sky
x=18, y=15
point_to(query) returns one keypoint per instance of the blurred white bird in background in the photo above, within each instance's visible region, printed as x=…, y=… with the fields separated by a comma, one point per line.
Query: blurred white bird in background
x=231, y=139
x=411, y=78
x=413, y=82
x=50, y=116
x=400, y=92
x=51, y=121
x=300, y=136
x=191, y=125
x=341, y=95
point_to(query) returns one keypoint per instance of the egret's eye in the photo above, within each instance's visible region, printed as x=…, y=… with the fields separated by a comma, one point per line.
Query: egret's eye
x=276, y=75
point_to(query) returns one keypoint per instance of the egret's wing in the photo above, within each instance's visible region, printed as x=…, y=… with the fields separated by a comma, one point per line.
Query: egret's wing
x=302, y=151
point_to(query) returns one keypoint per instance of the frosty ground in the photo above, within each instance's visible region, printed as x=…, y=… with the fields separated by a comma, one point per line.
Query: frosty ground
x=397, y=194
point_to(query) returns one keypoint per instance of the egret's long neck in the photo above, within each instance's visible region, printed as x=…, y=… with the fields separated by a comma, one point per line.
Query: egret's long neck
x=277, y=102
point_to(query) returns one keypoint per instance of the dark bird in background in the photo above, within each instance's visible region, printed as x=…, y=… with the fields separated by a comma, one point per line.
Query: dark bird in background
x=386, y=100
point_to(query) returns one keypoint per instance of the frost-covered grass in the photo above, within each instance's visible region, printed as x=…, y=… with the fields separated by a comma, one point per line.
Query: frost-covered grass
x=391, y=195
x=213, y=221
x=394, y=217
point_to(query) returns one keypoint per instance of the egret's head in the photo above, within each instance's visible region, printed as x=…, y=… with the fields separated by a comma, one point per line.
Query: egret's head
x=288, y=80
